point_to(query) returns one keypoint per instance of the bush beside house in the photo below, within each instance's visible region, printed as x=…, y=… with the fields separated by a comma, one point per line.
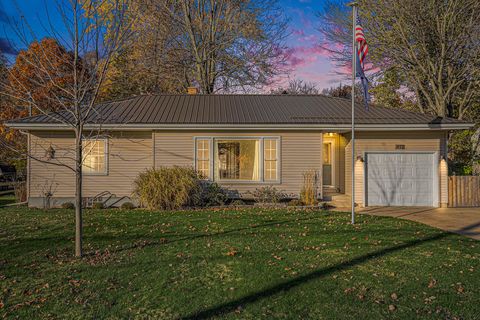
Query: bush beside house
x=170, y=188
x=176, y=187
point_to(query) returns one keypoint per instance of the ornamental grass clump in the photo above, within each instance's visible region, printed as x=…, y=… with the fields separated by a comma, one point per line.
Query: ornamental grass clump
x=308, y=194
x=167, y=188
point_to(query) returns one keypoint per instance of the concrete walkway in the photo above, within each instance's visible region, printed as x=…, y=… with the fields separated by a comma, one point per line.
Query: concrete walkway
x=465, y=221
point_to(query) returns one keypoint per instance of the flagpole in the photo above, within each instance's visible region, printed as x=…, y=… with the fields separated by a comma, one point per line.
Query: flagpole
x=354, y=65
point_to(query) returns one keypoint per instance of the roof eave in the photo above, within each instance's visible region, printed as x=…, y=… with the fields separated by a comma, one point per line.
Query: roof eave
x=249, y=127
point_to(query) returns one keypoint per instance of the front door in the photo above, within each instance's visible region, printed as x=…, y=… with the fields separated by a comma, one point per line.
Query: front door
x=327, y=164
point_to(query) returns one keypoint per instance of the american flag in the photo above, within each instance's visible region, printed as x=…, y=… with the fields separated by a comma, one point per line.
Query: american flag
x=362, y=47
x=362, y=50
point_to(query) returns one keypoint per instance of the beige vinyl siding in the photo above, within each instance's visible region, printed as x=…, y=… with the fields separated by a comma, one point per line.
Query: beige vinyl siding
x=433, y=141
x=342, y=142
x=129, y=153
x=299, y=152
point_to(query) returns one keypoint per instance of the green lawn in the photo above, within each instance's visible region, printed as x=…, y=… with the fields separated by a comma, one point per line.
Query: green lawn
x=246, y=264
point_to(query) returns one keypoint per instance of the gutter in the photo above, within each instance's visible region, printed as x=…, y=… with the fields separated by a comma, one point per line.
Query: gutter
x=249, y=127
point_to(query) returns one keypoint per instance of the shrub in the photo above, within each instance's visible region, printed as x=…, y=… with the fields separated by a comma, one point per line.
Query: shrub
x=127, y=206
x=308, y=194
x=267, y=194
x=295, y=203
x=237, y=203
x=21, y=192
x=324, y=206
x=68, y=205
x=167, y=188
x=98, y=205
x=211, y=194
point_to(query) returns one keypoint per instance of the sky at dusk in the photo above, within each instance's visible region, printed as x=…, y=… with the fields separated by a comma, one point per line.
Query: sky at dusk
x=308, y=60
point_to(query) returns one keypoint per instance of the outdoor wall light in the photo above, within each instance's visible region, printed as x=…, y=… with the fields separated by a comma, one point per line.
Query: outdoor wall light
x=360, y=158
x=50, y=153
x=330, y=134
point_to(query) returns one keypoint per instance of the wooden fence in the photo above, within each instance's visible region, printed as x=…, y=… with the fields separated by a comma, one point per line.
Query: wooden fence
x=464, y=191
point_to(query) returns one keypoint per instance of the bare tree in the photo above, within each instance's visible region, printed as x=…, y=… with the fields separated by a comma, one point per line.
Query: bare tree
x=92, y=38
x=216, y=45
x=297, y=86
x=432, y=44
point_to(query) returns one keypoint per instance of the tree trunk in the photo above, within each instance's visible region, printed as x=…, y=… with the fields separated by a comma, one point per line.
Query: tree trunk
x=78, y=195
x=476, y=152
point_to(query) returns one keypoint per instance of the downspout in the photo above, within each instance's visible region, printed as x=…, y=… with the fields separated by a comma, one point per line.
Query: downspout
x=28, y=163
x=153, y=149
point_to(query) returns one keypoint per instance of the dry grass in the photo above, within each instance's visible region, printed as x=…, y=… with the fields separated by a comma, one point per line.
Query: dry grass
x=308, y=195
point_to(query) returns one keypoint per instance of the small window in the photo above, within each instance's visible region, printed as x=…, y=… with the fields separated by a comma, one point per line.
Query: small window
x=203, y=158
x=94, y=156
x=270, y=147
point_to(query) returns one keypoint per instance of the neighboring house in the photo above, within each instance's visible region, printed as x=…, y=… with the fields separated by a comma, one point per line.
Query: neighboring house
x=248, y=141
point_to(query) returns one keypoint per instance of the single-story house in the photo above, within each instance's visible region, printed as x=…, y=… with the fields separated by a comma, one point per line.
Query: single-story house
x=245, y=142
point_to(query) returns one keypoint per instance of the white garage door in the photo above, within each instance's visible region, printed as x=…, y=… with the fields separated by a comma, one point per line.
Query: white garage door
x=400, y=179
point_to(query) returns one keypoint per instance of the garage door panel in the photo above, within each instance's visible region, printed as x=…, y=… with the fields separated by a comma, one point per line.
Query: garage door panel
x=424, y=173
x=397, y=179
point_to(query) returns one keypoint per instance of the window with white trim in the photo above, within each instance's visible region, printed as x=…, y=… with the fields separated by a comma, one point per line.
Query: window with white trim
x=270, y=159
x=238, y=158
x=94, y=156
x=203, y=157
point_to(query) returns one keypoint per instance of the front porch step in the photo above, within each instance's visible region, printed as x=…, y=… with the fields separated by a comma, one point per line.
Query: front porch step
x=338, y=200
x=329, y=192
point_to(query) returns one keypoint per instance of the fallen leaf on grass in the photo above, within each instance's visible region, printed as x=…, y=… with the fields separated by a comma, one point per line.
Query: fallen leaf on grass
x=429, y=299
x=232, y=252
x=394, y=296
x=392, y=307
x=432, y=283
x=75, y=283
x=460, y=289
x=349, y=290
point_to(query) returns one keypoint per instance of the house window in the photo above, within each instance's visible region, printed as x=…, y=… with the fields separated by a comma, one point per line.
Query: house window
x=238, y=159
x=270, y=159
x=94, y=156
x=203, y=157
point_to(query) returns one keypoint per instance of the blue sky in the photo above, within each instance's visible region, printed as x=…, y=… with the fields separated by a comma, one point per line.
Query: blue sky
x=308, y=61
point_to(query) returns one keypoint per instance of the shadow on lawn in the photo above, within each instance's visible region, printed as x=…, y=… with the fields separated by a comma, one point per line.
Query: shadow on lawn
x=287, y=285
x=206, y=235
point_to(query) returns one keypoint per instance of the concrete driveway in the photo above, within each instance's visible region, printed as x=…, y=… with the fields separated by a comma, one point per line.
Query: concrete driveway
x=465, y=221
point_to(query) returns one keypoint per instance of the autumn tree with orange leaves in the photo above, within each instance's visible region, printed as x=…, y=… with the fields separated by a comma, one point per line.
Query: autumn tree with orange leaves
x=7, y=111
x=46, y=88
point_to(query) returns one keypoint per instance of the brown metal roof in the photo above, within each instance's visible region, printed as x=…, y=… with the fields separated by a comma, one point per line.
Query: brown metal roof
x=241, y=110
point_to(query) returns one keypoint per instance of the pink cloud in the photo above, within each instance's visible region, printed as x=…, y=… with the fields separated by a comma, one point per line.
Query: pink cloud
x=301, y=56
x=296, y=62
